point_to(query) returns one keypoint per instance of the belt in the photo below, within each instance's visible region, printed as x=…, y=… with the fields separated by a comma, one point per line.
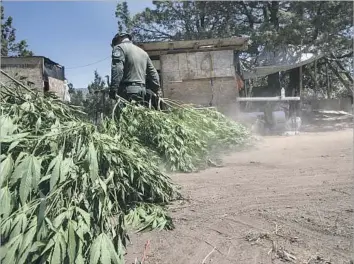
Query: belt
x=135, y=89
x=133, y=84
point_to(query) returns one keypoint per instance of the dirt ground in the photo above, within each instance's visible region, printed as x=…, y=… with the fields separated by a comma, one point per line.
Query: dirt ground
x=288, y=199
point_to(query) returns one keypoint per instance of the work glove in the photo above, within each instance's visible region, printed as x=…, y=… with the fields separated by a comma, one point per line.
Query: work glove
x=112, y=94
x=159, y=93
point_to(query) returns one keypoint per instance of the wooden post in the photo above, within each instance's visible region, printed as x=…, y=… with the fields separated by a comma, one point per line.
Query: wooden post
x=298, y=104
x=245, y=87
x=249, y=104
x=238, y=108
x=300, y=81
x=315, y=78
x=327, y=79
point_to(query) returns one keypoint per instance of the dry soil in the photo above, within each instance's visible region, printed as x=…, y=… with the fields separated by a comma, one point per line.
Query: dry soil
x=287, y=200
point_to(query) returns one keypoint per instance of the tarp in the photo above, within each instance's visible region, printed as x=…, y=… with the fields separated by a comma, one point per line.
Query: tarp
x=290, y=57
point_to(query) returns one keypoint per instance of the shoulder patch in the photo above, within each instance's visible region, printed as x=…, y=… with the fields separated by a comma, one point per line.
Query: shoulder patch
x=117, y=52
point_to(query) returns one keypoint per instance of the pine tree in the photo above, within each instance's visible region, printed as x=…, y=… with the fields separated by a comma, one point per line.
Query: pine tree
x=9, y=46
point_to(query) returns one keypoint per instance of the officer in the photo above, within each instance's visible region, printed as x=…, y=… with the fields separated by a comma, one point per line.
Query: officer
x=131, y=68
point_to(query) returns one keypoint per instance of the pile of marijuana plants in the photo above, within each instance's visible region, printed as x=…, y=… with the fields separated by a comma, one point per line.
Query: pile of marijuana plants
x=69, y=193
x=185, y=139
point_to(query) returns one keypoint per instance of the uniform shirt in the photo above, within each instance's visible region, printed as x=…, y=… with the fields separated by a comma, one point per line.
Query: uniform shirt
x=131, y=64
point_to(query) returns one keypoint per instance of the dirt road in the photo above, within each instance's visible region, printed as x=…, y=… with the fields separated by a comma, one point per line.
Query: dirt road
x=288, y=199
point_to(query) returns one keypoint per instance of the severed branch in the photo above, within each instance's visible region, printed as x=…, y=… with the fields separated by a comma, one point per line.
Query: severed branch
x=17, y=82
x=206, y=257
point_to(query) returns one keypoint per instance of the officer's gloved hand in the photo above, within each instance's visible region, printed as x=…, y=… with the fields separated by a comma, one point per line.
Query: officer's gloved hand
x=112, y=94
x=159, y=93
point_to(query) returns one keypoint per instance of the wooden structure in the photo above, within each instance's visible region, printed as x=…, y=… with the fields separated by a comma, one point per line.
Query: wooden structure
x=36, y=71
x=295, y=59
x=173, y=47
x=200, y=72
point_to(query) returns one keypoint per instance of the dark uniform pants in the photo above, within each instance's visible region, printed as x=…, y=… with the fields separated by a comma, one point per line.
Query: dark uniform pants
x=141, y=95
x=134, y=93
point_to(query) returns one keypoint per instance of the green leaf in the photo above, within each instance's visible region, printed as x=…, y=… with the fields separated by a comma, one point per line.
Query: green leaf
x=59, y=250
x=82, y=229
x=120, y=246
x=36, y=177
x=105, y=253
x=95, y=250
x=78, y=145
x=84, y=214
x=59, y=219
x=50, y=244
x=103, y=185
x=6, y=126
x=13, y=145
x=41, y=210
x=51, y=164
x=20, y=157
x=2, y=157
x=71, y=243
x=28, y=241
x=80, y=260
x=43, y=230
x=20, y=170
x=30, y=176
x=82, y=152
x=11, y=247
x=6, y=167
x=14, y=137
x=45, y=178
x=65, y=167
x=23, y=258
x=19, y=225
x=5, y=202
x=63, y=245
x=93, y=162
x=6, y=227
x=131, y=174
x=110, y=247
x=38, y=124
x=56, y=171
x=56, y=254
x=36, y=246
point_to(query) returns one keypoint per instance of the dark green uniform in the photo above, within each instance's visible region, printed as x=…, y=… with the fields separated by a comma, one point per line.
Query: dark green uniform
x=131, y=68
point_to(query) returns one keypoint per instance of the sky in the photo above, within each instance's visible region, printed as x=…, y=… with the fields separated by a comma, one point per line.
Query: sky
x=71, y=33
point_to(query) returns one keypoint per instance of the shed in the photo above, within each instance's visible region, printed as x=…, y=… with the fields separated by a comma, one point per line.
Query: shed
x=283, y=59
x=38, y=71
x=200, y=72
